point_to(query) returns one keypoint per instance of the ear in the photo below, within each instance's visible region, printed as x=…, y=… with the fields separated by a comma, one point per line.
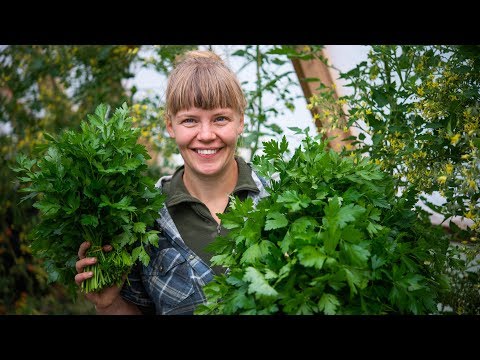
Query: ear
x=241, y=124
x=168, y=124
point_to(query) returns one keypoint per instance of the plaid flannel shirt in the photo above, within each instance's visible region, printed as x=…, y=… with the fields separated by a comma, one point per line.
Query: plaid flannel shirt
x=172, y=281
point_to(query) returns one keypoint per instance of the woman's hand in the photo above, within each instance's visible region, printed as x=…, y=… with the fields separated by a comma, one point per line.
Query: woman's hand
x=104, y=298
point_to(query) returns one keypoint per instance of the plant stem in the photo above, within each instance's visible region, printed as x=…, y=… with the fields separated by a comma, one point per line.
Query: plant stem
x=259, y=94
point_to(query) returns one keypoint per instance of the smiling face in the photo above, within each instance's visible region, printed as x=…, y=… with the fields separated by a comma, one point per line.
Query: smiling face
x=206, y=139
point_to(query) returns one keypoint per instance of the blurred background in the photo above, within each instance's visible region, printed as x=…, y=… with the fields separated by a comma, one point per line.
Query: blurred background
x=413, y=109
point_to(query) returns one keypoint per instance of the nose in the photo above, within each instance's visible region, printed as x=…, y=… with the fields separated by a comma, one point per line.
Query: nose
x=206, y=133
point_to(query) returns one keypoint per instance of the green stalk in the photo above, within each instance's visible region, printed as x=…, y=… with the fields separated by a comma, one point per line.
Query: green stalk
x=94, y=283
x=109, y=268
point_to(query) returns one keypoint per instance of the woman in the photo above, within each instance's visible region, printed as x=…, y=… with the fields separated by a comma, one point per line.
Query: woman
x=205, y=115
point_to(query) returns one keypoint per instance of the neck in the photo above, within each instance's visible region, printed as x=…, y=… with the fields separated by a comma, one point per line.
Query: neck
x=208, y=188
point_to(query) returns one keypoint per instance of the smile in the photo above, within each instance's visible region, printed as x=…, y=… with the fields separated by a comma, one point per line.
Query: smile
x=206, y=151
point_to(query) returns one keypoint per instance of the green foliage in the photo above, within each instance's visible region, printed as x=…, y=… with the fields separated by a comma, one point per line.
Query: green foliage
x=464, y=299
x=271, y=77
x=44, y=89
x=418, y=112
x=47, y=89
x=332, y=238
x=89, y=185
x=418, y=108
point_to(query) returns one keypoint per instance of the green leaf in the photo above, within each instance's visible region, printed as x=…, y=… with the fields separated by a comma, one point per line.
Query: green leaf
x=377, y=262
x=139, y=227
x=152, y=237
x=89, y=220
x=296, y=130
x=379, y=97
x=256, y=252
x=354, y=280
x=136, y=252
x=349, y=213
x=311, y=256
x=373, y=228
x=352, y=234
x=275, y=220
x=258, y=285
x=251, y=255
x=124, y=239
x=47, y=207
x=358, y=254
x=328, y=304
x=292, y=200
x=144, y=258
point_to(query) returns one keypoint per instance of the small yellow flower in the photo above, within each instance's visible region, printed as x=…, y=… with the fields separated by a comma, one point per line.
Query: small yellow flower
x=310, y=106
x=469, y=215
x=368, y=111
x=442, y=179
x=420, y=91
x=465, y=156
x=316, y=116
x=472, y=184
x=448, y=169
x=455, y=139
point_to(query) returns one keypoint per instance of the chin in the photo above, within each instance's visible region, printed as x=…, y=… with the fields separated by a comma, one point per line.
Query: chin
x=208, y=171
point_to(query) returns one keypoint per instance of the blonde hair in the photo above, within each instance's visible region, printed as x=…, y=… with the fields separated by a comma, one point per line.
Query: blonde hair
x=201, y=79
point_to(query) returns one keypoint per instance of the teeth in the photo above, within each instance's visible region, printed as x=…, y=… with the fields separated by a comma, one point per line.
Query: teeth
x=207, y=152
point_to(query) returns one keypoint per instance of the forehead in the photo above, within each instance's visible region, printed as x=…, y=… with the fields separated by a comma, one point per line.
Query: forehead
x=195, y=111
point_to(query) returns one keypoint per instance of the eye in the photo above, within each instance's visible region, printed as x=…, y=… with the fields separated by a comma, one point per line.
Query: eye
x=220, y=119
x=188, y=121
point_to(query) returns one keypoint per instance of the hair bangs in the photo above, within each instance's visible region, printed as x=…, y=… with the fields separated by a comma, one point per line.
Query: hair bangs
x=206, y=88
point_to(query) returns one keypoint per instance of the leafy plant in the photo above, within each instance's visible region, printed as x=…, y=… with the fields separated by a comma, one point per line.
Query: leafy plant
x=44, y=88
x=418, y=112
x=332, y=238
x=270, y=78
x=90, y=186
x=47, y=88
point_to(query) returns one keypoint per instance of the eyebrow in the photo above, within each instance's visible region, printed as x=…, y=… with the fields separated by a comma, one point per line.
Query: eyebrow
x=224, y=113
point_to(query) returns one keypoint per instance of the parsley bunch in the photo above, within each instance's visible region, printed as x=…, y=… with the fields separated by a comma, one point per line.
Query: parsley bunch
x=332, y=238
x=90, y=186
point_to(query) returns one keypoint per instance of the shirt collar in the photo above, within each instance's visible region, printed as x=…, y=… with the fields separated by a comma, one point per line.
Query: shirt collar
x=178, y=193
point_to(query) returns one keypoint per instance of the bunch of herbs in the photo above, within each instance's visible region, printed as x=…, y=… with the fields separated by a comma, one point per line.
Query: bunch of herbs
x=90, y=186
x=333, y=237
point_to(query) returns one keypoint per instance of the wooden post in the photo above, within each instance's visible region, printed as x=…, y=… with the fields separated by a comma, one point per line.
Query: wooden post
x=317, y=69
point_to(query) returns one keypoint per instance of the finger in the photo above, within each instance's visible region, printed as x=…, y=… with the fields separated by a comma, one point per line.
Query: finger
x=83, y=248
x=107, y=248
x=81, y=277
x=80, y=264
